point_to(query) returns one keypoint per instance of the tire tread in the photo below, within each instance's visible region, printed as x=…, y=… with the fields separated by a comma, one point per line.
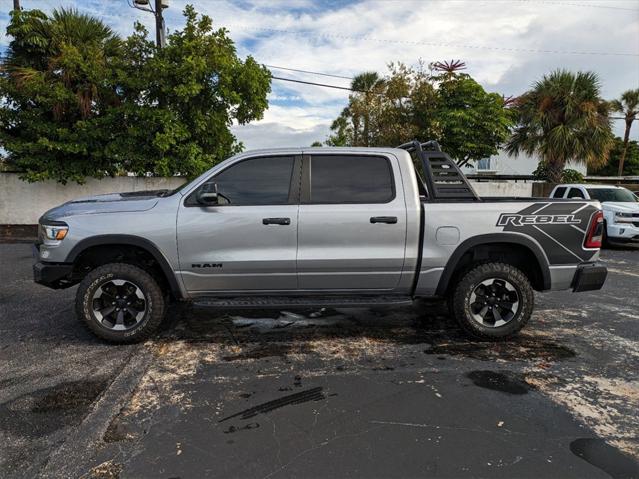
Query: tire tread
x=155, y=300
x=469, y=280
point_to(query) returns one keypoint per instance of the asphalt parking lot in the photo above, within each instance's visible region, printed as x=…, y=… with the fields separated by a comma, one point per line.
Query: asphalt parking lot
x=321, y=393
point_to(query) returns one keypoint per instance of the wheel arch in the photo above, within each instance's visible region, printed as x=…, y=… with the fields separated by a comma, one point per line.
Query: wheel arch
x=538, y=273
x=119, y=240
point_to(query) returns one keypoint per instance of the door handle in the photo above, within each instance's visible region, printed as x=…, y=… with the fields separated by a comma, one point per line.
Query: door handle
x=384, y=219
x=276, y=221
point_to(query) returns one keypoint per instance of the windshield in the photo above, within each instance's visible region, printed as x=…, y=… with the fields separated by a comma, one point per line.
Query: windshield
x=619, y=195
x=172, y=192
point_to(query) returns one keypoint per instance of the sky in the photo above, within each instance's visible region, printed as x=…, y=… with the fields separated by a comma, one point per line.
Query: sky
x=506, y=45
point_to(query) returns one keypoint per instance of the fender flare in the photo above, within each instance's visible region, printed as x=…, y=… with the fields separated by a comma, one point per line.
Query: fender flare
x=521, y=240
x=118, y=239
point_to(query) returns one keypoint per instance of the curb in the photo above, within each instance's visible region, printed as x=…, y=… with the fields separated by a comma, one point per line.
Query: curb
x=68, y=459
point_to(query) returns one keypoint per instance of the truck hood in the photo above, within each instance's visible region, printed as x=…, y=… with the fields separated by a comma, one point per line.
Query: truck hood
x=109, y=203
x=625, y=207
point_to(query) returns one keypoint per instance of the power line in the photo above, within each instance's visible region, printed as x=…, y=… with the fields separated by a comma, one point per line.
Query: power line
x=308, y=71
x=324, y=85
x=307, y=33
x=317, y=84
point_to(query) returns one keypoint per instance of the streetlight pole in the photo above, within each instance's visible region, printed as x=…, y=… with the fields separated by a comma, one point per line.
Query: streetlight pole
x=159, y=5
x=159, y=25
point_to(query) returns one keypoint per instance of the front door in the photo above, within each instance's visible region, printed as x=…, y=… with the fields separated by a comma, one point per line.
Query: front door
x=352, y=223
x=249, y=240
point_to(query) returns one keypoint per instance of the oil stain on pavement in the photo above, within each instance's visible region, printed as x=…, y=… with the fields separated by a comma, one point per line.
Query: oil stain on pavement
x=499, y=381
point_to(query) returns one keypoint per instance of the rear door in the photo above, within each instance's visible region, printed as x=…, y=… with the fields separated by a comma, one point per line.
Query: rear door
x=352, y=223
x=249, y=243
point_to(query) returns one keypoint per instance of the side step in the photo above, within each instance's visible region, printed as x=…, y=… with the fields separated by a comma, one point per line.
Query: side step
x=276, y=302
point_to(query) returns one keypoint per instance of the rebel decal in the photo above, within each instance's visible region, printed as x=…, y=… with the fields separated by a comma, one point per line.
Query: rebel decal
x=522, y=220
x=559, y=227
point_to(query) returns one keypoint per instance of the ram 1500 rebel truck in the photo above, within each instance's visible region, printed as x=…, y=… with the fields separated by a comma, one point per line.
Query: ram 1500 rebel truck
x=345, y=227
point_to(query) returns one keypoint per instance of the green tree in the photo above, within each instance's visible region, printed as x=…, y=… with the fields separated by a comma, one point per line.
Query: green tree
x=183, y=99
x=343, y=130
x=55, y=80
x=563, y=118
x=471, y=122
x=568, y=175
x=628, y=104
x=371, y=85
x=631, y=164
x=353, y=126
x=409, y=103
x=81, y=102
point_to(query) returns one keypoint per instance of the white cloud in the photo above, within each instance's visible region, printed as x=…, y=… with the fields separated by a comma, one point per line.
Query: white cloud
x=522, y=36
x=330, y=39
x=278, y=135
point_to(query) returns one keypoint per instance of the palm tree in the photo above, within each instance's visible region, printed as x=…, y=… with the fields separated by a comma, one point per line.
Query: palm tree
x=368, y=83
x=61, y=50
x=628, y=104
x=563, y=118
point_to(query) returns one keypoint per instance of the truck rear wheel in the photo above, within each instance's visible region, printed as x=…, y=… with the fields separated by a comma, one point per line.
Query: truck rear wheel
x=120, y=303
x=493, y=301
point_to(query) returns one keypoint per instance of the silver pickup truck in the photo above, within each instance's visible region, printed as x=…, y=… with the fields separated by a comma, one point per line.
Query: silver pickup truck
x=299, y=227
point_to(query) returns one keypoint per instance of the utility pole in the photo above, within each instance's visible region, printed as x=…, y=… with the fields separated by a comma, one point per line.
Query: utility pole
x=159, y=24
x=156, y=10
x=16, y=4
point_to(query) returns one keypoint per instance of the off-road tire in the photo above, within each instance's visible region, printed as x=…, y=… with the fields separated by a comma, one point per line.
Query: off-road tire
x=461, y=294
x=155, y=302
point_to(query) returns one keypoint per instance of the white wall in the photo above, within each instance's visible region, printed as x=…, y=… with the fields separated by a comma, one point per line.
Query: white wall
x=519, y=165
x=503, y=188
x=23, y=203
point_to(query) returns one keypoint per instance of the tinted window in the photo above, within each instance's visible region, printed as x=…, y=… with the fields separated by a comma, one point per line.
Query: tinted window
x=260, y=181
x=575, y=193
x=621, y=195
x=351, y=179
x=559, y=192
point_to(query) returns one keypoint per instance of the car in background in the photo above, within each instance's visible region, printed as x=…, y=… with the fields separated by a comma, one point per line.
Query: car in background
x=620, y=208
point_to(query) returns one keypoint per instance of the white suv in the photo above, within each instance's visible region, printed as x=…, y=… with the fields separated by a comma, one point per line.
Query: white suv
x=620, y=208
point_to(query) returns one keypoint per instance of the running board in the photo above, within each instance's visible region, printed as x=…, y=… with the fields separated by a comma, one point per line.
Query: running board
x=278, y=302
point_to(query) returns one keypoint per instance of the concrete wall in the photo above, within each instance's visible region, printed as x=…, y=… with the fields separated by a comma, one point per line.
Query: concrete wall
x=520, y=165
x=503, y=188
x=23, y=203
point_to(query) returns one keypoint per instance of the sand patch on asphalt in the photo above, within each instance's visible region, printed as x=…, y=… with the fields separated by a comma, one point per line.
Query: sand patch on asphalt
x=175, y=361
x=604, y=405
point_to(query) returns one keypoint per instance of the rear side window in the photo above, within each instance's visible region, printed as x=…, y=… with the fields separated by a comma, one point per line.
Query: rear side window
x=559, y=192
x=259, y=181
x=575, y=193
x=351, y=179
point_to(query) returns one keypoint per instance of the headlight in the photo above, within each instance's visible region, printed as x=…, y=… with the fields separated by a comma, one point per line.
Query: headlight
x=55, y=232
x=623, y=215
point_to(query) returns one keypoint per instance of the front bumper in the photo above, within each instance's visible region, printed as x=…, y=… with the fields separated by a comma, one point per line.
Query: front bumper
x=623, y=232
x=53, y=275
x=589, y=277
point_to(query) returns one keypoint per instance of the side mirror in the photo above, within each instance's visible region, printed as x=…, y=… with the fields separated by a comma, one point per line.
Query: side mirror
x=207, y=194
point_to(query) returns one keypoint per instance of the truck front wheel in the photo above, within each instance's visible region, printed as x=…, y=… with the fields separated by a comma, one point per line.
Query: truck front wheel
x=120, y=303
x=492, y=301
